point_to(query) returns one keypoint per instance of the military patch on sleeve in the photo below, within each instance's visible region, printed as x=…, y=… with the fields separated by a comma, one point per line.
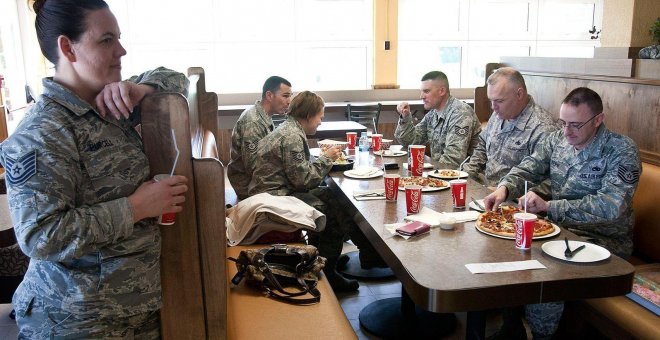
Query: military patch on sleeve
x=627, y=175
x=461, y=131
x=251, y=146
x=298, y=156
x=20, y=170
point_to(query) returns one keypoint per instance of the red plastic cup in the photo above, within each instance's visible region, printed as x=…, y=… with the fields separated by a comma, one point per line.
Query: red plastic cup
x=524, y=230
x=391, y=187
x=416, y=159
x=351, y=138
x=458, y=192
x=376, y=141
x=413, y=199
x=166, y=218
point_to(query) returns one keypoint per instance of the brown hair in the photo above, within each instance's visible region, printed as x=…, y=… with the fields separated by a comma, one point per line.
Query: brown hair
x=305, y=104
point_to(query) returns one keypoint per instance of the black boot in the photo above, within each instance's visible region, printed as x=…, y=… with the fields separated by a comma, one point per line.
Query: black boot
x=337, y=281
x=512, y=328
x=342, y=261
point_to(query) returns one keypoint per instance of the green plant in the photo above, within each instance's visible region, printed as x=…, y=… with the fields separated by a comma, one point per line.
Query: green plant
x=655, y=31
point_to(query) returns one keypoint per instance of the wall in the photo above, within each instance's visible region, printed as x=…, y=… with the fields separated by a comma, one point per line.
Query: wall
x=626, y=23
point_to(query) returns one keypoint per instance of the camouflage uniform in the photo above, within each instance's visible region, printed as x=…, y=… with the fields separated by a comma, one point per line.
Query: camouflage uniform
x=502, y=145
x=252, y=126
x=592, y=192
x=70, y=172
x=283, y=166
x=452, y=133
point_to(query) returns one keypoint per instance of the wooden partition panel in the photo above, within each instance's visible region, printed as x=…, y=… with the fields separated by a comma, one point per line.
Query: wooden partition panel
x=182, y=315
x=631, y=106
x=203, y=104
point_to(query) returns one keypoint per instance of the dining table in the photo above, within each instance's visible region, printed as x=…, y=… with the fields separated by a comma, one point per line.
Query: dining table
x=337, y=129
x=432, y=267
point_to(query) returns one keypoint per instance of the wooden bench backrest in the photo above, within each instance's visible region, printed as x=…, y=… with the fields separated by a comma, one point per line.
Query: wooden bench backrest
x=647, y=214
x=183, y=312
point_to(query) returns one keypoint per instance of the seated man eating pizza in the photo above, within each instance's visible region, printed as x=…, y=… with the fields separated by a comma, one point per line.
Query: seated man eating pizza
x=594, y=174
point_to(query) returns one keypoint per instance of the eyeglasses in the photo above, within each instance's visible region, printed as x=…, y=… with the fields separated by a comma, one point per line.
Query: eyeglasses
x=576, y=125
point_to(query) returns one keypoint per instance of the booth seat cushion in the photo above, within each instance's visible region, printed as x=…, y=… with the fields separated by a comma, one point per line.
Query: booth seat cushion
x=647, y=214
x=624, y=318
x=253, y=315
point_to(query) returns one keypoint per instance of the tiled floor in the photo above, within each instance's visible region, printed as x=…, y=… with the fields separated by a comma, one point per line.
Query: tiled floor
x=372, y=290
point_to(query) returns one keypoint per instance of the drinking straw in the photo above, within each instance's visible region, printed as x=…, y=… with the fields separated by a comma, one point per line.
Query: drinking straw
x=176, y=158
x=525, y=196
x=373, y=119
x=460, y=167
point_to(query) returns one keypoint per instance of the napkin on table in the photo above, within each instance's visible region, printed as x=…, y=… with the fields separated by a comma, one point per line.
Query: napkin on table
x=434, y=218
x=365, y=195
x=363, y=171
x=426, y=166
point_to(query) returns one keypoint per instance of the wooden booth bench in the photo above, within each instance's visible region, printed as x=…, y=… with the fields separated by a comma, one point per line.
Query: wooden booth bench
x=198, y=301
x=632, y=109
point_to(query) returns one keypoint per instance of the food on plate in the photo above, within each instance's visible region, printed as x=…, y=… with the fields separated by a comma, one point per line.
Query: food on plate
x=341, y=159
x=422, y=181
x=501, y=222
x=447, y=173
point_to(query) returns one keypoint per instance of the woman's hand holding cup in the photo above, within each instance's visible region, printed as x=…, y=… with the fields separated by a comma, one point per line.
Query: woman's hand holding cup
x=157, y=197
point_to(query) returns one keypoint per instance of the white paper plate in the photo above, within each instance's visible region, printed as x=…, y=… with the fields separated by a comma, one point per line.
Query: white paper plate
x=387, y=153
x=553, y=233
x=351, y=174
x=590, y=253
x=475, y=207
x=436, y=174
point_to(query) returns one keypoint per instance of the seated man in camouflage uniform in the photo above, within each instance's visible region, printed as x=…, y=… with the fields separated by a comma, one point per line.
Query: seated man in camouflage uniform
x=515, y=128
x=594, y=174
x=451, y=127
x=283, y=166
x=252, y=126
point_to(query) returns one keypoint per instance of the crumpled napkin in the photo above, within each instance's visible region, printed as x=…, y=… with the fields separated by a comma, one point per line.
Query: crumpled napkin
x=434, y=218
x=426, y=165
x=363, y=171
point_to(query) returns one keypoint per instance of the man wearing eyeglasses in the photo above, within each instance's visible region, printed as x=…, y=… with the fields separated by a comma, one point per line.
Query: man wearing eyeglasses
x=594, y=174
x=515, y=128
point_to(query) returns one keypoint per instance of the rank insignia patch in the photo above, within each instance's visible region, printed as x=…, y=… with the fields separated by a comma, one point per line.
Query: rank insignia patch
x=628, y=176
x=251, y=147
x=20, y=170
x=461, y=131
x=298, y=156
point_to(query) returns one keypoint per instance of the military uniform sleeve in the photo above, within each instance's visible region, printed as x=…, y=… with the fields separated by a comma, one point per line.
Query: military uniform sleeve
x=302, y=173
x=164, y=80
x=461, y=129
x=534, y=169
x=49, y=221
x=407, y=133
x=611, y=200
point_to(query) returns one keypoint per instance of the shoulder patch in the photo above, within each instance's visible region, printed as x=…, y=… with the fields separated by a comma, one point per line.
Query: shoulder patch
x=628, y=176
x=21, y=169
x=250, y=146
x=298, y=156
x=460, y=130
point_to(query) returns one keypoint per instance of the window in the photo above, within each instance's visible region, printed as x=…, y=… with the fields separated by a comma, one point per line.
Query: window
x=315, y=44
x=459, y=37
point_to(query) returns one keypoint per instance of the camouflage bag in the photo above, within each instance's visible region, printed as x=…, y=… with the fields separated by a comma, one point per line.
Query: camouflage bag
x=273, y=268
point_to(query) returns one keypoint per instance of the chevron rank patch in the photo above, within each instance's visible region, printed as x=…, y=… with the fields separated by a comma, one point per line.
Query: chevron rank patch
x=628, y=176
x=18, y=171
x=461, y=131
x=251, y=147
x=298, y=156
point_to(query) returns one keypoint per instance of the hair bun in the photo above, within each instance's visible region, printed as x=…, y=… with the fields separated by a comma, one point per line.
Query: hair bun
x=38, y=5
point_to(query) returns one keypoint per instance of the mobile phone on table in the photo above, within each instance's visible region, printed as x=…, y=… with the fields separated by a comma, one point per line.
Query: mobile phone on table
x=413, y=228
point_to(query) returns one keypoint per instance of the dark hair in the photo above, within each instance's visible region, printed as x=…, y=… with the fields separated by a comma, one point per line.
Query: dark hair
x=585, y=95
x=61, y=17
x=305, y=104
x=512, y=76
x=438, y=76
x=272, y=84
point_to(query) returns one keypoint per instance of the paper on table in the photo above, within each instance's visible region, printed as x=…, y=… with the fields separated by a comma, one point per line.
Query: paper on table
x=498, y=267
x=426, y=166
x=365, y=195
x=434, y=218
x=364, y=171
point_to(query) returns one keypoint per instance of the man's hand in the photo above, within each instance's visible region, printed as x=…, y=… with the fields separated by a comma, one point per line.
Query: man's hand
x=535, y=204
x=152, y=198
x=492, y=201
x=118, y=99
x=403, y=109
x=333, y=152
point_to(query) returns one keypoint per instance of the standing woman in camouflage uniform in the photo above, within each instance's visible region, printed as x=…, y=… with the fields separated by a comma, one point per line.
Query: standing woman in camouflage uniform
x=78, y=185
x=283, y=167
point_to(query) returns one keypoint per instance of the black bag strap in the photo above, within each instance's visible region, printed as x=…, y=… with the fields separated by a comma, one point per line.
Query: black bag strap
x=300, y=269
